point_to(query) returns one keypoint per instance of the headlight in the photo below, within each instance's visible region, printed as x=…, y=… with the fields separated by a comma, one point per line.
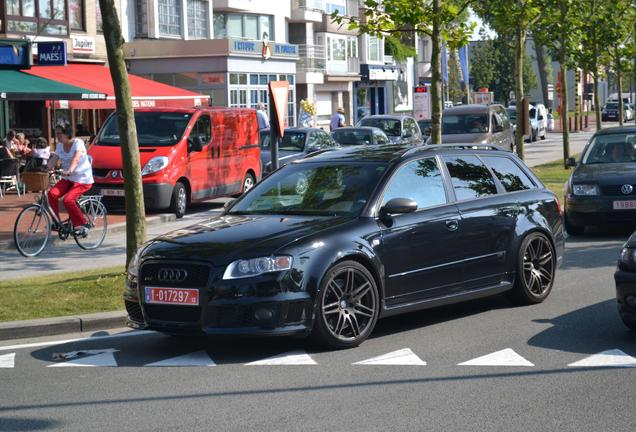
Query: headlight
x=155, y=164
x=585, y=189
x=133, y=265
x=628, y=256
x=257, y=266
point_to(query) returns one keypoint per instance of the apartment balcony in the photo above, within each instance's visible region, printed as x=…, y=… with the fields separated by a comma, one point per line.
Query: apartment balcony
x=311, y=65
x=307, y=11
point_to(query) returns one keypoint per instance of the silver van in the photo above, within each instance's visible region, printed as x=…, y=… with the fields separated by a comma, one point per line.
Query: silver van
x=479, y=124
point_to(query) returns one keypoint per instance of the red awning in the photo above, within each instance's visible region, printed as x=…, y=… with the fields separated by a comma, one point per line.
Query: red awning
x=145, y=92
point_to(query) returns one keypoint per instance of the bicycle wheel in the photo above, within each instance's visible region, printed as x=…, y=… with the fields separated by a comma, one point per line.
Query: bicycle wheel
x=31, y=231
x=95, y=214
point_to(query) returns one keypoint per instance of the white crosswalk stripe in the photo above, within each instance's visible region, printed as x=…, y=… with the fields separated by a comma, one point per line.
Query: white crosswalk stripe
x=199, y=358
x=505, y=357
x=7, y=361
x=609, y=358
x=403, y=357
x=288, y=358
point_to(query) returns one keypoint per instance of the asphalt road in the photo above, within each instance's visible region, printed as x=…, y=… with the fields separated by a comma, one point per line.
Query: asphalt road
x=532, y=386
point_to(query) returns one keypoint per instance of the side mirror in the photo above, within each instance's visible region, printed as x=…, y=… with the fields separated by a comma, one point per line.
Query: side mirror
x=499, y=128
x=570, y=162
x=398, y=206
x=195, y=143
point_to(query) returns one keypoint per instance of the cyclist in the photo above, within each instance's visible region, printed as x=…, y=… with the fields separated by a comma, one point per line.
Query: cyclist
x=77, y=177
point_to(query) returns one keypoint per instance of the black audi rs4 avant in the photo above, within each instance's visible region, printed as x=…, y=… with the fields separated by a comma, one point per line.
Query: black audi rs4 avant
x=327, y=245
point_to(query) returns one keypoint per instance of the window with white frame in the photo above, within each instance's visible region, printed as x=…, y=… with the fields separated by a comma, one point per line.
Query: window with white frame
x=170, y=17
x=248, y=90
x=373, y=49
x=198, y=21
x=243, y=26
x=336, y=5
x=352, y=46
x=340, y=48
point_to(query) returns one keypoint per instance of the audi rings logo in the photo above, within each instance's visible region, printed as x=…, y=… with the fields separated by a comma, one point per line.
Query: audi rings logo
x=172, y=275
x=627, y=189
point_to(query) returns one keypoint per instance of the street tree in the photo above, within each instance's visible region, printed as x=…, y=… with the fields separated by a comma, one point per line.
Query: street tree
x=134, y=199
x=483, y=64
x=515, y=18
x=443, y=21
x=503, y=82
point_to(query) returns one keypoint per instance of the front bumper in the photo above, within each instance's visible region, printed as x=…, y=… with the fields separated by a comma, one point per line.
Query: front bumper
x=597, y=210
x=266, y=305
x=156, y=195
x=626, y=287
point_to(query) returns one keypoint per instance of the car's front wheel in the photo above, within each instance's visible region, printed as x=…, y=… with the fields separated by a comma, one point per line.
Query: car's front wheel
x=536, y=266
x=347, y=306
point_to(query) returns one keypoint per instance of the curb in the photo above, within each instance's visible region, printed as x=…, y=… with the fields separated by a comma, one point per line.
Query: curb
x=62, y=325
x=112, y=229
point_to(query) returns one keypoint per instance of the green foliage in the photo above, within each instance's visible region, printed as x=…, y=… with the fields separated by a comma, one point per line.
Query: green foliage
x=483, y=64
x=399, y=50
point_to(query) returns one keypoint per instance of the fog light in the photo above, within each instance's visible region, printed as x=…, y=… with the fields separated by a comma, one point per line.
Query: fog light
x=262, y=314
x=631, y=300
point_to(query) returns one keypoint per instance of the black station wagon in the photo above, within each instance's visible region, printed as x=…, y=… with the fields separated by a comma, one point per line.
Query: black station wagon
x=327, y=245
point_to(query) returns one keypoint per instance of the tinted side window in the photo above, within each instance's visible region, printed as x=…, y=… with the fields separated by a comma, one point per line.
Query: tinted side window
x=410, y=127
x=419, y=180
x=470, y=177
x=509, y=174
x=203, y=129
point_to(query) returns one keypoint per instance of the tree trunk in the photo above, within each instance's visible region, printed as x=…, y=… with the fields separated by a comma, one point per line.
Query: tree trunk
x=436, y=78
x=543, y=75
x=564, y=108
x=520, y=41
x=134, y=198
x=597, y=102
x=619, y=79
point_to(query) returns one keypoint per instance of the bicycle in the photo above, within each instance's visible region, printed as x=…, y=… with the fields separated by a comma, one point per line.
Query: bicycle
x=35, y=222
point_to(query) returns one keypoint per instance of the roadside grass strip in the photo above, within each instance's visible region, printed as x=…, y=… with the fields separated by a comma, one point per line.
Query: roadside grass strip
x=554, y=176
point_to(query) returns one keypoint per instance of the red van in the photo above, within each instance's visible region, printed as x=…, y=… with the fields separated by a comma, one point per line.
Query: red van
x=186, y=155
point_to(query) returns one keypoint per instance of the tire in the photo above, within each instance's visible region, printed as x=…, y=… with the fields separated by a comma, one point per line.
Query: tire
x=347, y=306
x=572, y=228
x=533, y=136
x=535, y=269
x=179, y=200
x=95, y=213
x=31, y=231
x=248, y=182
x=544, y=136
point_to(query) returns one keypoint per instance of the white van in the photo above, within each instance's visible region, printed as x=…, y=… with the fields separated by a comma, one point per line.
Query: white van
x=538, y=121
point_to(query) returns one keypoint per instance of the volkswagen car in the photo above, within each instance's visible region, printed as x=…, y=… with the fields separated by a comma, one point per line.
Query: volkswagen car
x=601, y=190
x=329, y=244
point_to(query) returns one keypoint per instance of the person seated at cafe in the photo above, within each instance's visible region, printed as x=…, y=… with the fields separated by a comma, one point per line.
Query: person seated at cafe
x=9, y=144
x=21, y=147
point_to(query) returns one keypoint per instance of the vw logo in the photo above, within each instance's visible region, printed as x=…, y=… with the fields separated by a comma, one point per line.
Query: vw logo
x=627, y=189
x=172, y=275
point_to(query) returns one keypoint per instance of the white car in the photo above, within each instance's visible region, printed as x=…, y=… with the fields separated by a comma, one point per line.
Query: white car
x=538, y=121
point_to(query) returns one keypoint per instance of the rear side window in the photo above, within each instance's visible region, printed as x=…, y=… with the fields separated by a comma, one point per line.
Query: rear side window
x=509, y=174
x=470, y=177
x=419, y=180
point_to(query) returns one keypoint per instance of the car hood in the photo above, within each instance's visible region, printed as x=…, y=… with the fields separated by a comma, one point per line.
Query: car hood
x=225, y=238
x=465, y=138
x=606, y=173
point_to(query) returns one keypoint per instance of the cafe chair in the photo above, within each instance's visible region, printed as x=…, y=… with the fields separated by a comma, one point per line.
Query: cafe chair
x=9, y=175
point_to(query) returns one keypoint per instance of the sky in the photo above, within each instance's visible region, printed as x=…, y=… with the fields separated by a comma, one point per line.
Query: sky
x=480, y=24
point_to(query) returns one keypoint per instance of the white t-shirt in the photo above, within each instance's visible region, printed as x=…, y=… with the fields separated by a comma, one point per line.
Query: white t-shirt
x=83, y=172
x=44, y=153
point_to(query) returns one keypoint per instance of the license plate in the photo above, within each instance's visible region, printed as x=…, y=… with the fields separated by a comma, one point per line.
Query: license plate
x=625, y=205
x=173, y=296
x=112, y=192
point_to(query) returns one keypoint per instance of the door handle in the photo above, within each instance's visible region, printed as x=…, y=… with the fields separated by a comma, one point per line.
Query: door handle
x=452, y=224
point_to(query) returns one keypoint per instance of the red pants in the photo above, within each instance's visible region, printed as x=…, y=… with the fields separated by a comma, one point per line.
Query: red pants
x=71, y=191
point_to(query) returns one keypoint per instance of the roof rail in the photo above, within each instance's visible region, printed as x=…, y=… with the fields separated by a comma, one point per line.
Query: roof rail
x=453, y=147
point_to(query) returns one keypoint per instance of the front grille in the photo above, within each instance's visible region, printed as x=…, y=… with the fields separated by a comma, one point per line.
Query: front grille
x=230, y=316
x=134, y=311
x=180, y=314
x=615, y=190
x=198, y=274
x=100, y=172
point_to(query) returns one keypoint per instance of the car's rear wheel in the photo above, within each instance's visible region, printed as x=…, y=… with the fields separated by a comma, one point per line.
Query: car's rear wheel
x=572, y=228
x=179, y=201
x=536, y=265
x=347, y=306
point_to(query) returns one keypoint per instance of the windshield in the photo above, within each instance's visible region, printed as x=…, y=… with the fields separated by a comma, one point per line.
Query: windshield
x=313, y=189
x=348, y=137
x=464, y=124
x=612, y=106
x=154, y=129
x=391, y=127
x=612, y=148
x=512, y=114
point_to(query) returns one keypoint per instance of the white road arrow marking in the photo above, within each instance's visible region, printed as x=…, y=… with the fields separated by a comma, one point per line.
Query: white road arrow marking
x=505, y=357
x=288, y=358
x=199, y=358
x=403, y=357
x=7, y=360
x=95, y=358
x=609, y=358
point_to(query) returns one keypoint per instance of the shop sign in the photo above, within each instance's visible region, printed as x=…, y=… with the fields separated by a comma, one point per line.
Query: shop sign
x=263, y=49
x=144, y=103
x=83, y=45
x=383, y=74
x=52, y=53
x=15, y=54
x=421, y=103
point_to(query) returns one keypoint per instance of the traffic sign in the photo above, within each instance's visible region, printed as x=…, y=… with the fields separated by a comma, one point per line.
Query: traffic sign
x=279, y=91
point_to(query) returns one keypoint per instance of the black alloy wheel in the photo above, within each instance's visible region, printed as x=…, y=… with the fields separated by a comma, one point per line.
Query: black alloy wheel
x=347, y=306
x=536, y=265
